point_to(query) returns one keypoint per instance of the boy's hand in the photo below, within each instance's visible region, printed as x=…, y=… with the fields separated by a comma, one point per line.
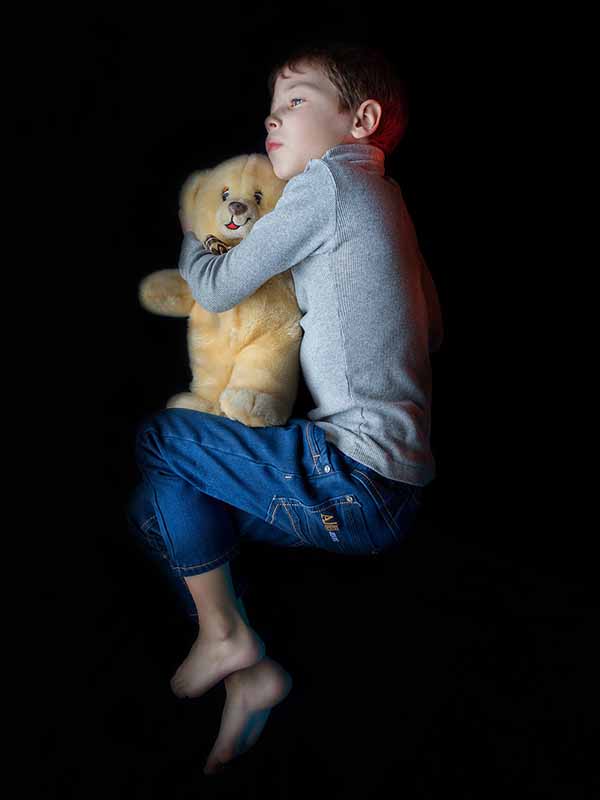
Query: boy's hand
x=216, y=246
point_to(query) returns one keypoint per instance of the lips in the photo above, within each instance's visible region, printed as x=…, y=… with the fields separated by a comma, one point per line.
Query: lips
x=233, y=227
x=272, y=145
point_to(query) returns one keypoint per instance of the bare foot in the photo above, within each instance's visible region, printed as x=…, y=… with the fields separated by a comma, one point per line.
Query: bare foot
x=210, y=660
x=251, y=694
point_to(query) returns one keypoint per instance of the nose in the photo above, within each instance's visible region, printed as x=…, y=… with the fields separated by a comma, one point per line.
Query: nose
x=270, y=122
x=237, y=208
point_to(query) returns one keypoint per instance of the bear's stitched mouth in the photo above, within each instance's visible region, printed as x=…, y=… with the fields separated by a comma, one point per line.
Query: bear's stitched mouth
x=232, y=226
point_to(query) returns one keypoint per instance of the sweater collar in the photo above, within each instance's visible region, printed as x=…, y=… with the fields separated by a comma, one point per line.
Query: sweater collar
x=366, y=156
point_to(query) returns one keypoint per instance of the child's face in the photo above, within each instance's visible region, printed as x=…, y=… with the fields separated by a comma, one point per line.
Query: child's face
x=305, y=120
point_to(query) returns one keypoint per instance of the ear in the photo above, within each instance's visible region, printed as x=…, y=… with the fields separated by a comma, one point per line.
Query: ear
x=189, y=192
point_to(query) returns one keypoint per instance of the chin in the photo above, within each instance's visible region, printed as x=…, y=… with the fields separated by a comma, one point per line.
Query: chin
x=281, y=173
x=286, y=175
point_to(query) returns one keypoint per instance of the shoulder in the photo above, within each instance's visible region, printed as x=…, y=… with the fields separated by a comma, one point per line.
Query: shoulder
x=315, y=178
x=317, y=169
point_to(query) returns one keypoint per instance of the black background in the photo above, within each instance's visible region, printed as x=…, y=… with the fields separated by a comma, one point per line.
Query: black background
x=459, y=665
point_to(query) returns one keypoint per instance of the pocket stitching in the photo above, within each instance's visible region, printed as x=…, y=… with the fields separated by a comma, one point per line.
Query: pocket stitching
x=381, y=504
x=291, y=517
x=334, y=502
x=147, y=522
x=276, y=502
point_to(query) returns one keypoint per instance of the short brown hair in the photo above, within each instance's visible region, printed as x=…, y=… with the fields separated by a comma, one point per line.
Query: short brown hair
x=358, y=72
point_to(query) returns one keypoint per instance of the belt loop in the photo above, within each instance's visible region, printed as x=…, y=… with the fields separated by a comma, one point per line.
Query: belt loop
x=313, y=446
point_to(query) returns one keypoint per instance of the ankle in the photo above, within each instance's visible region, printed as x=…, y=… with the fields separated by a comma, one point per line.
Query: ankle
x=223, y=630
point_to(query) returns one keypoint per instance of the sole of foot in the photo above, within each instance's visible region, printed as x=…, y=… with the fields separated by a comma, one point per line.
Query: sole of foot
x=251, y=694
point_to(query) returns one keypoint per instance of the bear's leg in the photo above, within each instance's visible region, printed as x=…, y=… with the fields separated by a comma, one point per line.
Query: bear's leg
x=189, y=400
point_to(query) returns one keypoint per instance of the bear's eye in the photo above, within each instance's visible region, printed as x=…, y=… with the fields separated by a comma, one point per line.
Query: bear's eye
x=224, y=195
x=258, y=197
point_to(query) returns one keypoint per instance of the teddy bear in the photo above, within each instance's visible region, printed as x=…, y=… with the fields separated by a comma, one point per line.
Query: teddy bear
x=244, y=361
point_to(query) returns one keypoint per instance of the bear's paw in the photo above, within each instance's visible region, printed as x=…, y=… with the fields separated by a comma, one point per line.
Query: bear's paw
x=165, y=292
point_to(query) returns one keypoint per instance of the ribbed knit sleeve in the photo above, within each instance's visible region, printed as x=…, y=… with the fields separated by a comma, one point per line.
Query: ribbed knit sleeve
x=301, y=224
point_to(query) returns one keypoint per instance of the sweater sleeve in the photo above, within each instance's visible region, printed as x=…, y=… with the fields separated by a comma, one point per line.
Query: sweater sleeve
x=301, y=224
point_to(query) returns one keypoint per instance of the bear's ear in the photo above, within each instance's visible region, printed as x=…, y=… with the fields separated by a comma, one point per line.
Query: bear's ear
x=189, y=190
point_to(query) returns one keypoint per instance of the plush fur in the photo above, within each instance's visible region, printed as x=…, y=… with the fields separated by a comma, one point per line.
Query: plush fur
x=245, y=361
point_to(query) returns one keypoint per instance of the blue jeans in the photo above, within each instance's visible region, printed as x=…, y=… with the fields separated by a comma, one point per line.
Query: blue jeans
x=209, y=483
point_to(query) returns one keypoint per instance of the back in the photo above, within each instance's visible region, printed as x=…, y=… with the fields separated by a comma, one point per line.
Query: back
x=371, y=317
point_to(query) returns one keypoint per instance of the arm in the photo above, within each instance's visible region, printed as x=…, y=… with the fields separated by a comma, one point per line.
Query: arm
x=301, y=224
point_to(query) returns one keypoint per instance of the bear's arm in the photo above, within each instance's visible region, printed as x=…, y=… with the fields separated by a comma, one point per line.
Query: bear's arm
x=165, y=292
x=301, y=224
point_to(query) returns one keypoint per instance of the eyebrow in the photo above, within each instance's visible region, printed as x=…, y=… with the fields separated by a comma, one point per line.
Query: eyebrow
x=300, y=83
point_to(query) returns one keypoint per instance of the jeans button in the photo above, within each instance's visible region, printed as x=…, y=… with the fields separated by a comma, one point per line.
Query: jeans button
x=327, y=468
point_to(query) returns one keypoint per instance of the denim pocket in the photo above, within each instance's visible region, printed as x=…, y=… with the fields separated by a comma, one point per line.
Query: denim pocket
x=280, y=515
x=394, y=502
x=397, y=502
x=338, y=524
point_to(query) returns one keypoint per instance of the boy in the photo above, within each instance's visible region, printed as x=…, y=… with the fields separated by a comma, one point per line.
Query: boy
x=350, y=477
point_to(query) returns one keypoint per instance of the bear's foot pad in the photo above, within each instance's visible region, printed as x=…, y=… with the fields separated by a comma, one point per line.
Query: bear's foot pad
x=255, y=409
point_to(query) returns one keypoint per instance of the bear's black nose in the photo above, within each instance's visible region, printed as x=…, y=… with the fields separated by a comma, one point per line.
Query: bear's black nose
x=237, y=208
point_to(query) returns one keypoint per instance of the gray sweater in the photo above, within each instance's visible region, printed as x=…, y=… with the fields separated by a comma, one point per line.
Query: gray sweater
x=371, y=314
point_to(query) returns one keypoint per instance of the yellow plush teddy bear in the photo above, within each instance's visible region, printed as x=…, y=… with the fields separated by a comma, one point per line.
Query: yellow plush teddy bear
x=244, y=361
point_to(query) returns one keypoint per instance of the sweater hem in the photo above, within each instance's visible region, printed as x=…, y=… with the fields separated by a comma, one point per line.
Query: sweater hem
x=402, y=472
